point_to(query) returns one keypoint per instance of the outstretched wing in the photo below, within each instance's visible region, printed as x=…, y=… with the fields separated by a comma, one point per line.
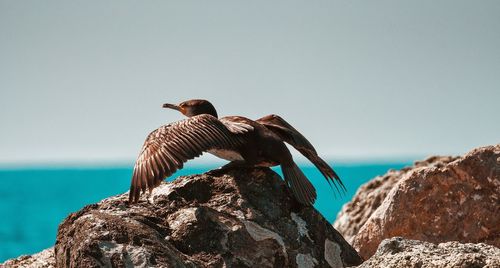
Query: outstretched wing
x=293, y=137
x=167, y=148
x=236, y=125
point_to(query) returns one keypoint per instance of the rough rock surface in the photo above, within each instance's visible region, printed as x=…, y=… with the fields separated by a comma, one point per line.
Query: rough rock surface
x=43, y=259
x=440, y=199
x=371, y=194
x=399, y=253
x=235, y=218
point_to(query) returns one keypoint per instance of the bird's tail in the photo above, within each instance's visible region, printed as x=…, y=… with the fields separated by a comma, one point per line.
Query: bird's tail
x=301, y=187
x=329, y=174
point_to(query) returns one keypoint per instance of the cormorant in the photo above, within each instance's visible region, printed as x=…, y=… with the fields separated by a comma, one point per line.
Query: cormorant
x=235, y=138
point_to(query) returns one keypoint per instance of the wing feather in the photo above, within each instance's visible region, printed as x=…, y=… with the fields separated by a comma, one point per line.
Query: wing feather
x=167, y=148
x=293, y=137
x=236, y=127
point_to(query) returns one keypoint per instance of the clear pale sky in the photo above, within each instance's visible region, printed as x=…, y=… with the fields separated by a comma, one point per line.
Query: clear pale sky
x=85, y=80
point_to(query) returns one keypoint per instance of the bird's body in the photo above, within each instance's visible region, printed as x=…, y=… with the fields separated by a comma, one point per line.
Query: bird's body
x=233, y=138
x=227, y=154
x=261, y=147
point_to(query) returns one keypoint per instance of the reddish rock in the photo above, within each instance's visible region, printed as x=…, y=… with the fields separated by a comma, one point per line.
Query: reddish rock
x=240, y=218
x=437, y=200
x=371, y=194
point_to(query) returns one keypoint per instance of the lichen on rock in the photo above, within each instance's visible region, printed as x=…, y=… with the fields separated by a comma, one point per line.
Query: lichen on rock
x=235, y=218
x=398, y=252
x=43, y=259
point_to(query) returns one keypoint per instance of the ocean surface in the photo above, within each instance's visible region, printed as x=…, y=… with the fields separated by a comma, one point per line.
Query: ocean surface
x=35, y=200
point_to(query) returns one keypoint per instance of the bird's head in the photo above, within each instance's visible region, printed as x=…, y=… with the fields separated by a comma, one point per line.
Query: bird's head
x=193, y=107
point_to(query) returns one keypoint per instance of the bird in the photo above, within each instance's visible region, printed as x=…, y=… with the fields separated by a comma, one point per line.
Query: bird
x=242, y=141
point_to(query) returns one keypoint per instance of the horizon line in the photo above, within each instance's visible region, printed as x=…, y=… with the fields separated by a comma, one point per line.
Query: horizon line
x=108, y=163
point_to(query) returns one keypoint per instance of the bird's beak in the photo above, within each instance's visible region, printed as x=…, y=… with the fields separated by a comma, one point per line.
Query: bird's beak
x=172, y=106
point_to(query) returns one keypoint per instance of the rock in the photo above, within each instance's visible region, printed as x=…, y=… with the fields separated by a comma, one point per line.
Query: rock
x=43, y=259
x=231, y=218
x=371, y=194
x=440, y=199
x=398, y=252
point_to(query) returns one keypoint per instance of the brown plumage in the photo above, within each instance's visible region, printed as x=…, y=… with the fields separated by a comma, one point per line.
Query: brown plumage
x=234, y=138
x=167, y=148
x=293, y=137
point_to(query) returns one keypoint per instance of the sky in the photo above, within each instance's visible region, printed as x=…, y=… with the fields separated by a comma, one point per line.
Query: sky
x=84, y=81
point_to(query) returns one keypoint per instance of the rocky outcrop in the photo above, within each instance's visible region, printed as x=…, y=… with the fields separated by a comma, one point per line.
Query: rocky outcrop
x=398, y=252
x=439, y=199
x=235, y=218
x=43, y=259
x=371, y=194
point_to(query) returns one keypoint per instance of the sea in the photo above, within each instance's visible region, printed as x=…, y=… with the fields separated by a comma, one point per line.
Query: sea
x=34, y=200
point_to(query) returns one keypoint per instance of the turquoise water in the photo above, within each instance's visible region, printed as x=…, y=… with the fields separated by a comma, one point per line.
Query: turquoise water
x=35, y=200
